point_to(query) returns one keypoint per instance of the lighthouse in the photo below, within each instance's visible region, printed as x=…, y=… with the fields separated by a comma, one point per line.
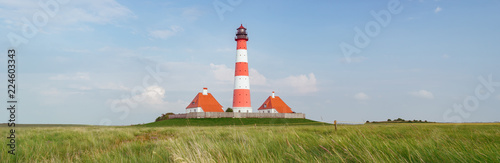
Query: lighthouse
x=241, y=94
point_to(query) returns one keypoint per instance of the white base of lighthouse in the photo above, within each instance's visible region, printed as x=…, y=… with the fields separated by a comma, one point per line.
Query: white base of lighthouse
x=242, y=109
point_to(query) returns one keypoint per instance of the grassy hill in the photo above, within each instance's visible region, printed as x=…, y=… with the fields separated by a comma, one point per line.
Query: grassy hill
x=233, y=122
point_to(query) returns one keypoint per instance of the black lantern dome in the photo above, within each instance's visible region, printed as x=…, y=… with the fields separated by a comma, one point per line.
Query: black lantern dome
x=241, y=33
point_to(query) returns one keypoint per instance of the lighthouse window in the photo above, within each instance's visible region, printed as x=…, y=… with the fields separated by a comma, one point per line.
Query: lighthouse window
x=265, y=105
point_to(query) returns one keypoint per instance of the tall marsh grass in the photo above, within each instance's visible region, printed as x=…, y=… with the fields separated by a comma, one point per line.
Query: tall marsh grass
x=361, y=143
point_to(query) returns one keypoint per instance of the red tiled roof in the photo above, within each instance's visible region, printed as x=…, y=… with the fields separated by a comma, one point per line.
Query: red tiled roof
x=241, y=26
x=207, y=102
x=277, y=104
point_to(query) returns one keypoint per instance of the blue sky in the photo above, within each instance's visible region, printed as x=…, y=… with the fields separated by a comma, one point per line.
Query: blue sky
x=126, y=62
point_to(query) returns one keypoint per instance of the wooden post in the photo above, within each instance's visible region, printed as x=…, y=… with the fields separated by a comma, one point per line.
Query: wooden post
x=335, y=123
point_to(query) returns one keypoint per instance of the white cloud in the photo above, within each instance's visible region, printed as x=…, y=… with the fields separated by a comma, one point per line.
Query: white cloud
x=422, y=94
x=15, y=9
x=154, y=48
x=69, y=16
x=76, y=76
x=353, y=59
x=120, y=52
x=438, y=9
x=151, y=98
x=256, y=78
x=191, y=13
x=72, y=50
x=166, y=33
x=150, y=95
x=112, y=86
x=301, y=83
x=79, y=87
x=153, y=95
x=361, y=96
x=446, y=56
x=222, y=73
x=51, y=91
x=96, y=11
x=53, y=96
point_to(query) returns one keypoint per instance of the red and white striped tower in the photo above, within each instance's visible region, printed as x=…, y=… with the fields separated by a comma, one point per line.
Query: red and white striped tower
x=241, y=94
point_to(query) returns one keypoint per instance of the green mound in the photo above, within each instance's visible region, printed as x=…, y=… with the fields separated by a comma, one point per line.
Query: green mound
x=234, y=121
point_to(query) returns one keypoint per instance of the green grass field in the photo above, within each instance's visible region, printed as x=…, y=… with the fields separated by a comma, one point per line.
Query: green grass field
x=262, y=143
